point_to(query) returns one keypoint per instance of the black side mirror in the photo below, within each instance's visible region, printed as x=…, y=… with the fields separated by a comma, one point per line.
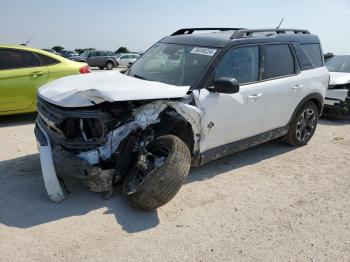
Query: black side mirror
x=226, y=85
x=129, y=65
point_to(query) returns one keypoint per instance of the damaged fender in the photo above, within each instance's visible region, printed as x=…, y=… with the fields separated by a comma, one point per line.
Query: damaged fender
x=144, y=117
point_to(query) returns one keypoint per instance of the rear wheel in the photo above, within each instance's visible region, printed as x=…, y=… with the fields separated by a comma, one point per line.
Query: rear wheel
x=154, y=182
x=109, y=65
x=303, y=126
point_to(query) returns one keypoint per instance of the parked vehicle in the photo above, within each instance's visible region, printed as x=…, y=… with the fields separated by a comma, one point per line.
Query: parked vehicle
x=127, y=59
x=51, y=51
x=69, y=54
x=23, y=70
x=100, y=59
x=337, y=101
x=189, y=99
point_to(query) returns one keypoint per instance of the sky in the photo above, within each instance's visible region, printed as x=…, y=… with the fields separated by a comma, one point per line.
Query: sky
x=137, y=24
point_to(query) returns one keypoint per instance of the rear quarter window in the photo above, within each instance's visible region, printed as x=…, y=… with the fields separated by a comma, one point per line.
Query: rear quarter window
x=46, y=60
x=315, y=54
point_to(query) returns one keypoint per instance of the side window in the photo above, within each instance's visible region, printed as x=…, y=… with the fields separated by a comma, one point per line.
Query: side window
x=46, y=60
x=304, y=60
x=279, y=61
x=12, y=59
x=123, y=57
x=110, y=53
x=241, y=63
x=314, y=52
x=103, y=53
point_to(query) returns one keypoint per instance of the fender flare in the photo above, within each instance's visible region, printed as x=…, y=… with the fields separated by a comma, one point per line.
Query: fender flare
x=314, y=97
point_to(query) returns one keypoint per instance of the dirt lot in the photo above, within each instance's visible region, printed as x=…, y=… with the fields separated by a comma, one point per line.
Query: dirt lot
x=268, y=203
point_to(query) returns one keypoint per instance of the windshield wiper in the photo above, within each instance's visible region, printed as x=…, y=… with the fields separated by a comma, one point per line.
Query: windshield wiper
x=139, y=77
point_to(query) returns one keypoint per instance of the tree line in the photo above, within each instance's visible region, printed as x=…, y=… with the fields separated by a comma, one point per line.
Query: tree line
x=59, y=49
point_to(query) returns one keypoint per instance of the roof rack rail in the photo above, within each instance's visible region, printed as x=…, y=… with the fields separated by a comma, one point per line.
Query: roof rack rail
x=189, y=31
x=245, y=33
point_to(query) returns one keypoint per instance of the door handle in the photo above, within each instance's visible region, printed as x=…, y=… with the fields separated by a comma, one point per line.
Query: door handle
x=254, y=97
x=37, y=74
x=298, y=86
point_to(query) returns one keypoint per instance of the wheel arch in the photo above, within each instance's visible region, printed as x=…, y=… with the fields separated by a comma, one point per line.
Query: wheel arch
x=316, y=98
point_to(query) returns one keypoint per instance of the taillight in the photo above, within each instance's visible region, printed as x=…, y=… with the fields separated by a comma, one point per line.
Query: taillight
x=85, y=70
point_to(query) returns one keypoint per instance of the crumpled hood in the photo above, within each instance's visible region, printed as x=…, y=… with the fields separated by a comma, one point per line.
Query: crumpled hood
x=339, y=78
x=90, y=89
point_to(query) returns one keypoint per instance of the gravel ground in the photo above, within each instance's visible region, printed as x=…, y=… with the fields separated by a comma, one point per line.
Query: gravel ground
x=271, y=203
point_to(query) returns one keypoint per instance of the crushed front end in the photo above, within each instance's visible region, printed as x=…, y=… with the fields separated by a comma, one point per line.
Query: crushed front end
x=337, y=102
x=99, y=144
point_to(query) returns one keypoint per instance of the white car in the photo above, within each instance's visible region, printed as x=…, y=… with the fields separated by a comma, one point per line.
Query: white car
x=127, y=59
x=337, y=102
x=189, y=99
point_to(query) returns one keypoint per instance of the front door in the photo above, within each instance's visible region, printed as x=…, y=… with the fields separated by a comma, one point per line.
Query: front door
x=232, y=117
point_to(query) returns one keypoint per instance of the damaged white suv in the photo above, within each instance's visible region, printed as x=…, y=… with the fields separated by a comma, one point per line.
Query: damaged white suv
x=189, y=99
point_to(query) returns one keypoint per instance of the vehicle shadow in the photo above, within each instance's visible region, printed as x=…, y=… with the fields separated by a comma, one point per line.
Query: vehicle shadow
x=333, y=121
x=24, y=202
x=17, y=120
x=240, y=159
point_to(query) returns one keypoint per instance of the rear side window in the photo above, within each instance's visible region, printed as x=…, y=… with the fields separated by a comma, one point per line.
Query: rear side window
x=110, y=53
x=12, y=59
x=303, y=58
x=315, y=54
x=279, y=61
x=46, y=60
x=240, y=63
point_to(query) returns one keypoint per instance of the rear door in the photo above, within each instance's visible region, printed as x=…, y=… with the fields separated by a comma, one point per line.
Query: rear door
x=21, y=74
x=284, y=83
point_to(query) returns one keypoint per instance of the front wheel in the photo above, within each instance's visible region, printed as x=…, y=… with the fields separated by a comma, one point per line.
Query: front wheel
x=156, y=179
x=109, y=65
x=303, y=125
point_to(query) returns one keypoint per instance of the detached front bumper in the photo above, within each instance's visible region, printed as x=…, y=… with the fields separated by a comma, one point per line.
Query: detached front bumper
x=52, y=184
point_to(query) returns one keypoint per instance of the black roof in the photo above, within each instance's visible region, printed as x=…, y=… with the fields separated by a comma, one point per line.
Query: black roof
x=232, y=36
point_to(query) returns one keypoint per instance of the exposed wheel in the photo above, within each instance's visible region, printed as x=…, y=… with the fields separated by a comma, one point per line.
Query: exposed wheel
x=303, y=125
x=155, y=182
x=109, y=65
x=101, y=67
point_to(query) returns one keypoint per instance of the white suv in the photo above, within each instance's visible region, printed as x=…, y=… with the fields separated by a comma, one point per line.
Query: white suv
x=189, y=99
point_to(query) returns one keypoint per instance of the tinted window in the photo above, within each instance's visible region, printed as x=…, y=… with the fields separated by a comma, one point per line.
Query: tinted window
x=103, y=53
x=11, y=59
x=314, y=52
x=240, y=63
x=46, y=60
x=304, y=60
x=279, y=61
x=110, y=53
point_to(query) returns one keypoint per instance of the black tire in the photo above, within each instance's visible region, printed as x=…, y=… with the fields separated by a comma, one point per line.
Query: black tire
x=160, y=185
x=101, y=67
x=109, y=65
x=303, y=125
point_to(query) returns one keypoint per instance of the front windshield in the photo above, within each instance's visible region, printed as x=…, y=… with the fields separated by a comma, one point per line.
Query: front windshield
x=339, y=63
x=172, y=64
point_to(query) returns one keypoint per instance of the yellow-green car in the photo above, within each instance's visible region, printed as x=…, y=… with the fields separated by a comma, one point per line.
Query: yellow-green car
x=23, y=70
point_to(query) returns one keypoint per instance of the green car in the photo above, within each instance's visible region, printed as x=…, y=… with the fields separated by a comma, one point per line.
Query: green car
x=23, y=70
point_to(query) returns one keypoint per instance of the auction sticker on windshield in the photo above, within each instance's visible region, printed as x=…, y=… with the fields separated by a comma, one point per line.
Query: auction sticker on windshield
x=203, y=51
